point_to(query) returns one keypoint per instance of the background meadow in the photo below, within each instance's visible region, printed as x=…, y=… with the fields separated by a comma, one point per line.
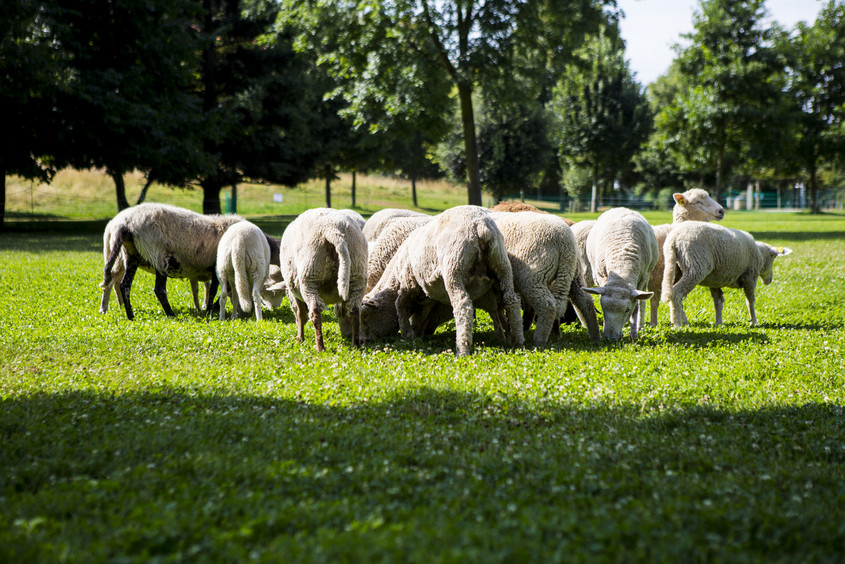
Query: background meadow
x=190, y=439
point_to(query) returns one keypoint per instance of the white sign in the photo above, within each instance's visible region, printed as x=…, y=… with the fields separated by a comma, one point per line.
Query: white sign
x=278, y=198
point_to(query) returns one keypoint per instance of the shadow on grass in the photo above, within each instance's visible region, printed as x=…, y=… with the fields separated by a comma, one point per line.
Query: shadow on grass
x=423, y=474
x=799, y=236
x=51, y=242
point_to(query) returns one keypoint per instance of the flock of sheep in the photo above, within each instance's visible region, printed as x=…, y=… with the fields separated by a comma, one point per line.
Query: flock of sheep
x=408, y=272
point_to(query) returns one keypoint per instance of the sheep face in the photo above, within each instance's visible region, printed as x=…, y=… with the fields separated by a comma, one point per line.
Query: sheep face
x=378, y=316
x=618, y=304
x=697, y=205
x=769, y=255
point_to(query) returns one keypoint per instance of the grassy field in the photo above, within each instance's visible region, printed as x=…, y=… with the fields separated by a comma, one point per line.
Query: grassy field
x=188, y=439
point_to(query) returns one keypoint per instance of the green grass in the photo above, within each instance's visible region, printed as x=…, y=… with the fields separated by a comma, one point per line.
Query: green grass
x=190, y=439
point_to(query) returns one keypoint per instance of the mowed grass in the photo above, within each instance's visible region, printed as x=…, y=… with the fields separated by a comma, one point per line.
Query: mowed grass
x=189, y=439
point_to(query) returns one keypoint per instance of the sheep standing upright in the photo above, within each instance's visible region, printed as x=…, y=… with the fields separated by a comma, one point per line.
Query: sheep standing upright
x=172, y=241
x=389, y=240
x=455, y=259
x=324, y=261
x=622, y=251
x=546, y=272
x=706, y=254
x=243, y=264
x=692, y=205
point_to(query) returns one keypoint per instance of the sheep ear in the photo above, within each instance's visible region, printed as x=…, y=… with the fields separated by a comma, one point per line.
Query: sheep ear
x=638, y=295
x=679, y=198
x=783, y=251
x=597, y=291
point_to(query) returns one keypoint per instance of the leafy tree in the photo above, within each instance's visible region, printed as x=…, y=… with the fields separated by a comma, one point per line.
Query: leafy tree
x=28, y=73
x=730, y=89
x=816, y=71
x=603, y=114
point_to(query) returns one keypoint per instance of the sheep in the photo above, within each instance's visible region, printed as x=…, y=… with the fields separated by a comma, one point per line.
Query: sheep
x=243, y=263
x=274, y=289
x=706, y=254
x=356, y=217
x=692, y=205
x=324, y=261
x=622, y=251
x=512, y=206
x=119, y=268
x=455, y=259
x=171, y=241
x=546, y=271
x=384, y=247
x=377, y=221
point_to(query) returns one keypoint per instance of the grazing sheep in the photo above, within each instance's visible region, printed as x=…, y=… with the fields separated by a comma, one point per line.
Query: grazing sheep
x=512, y=206
x=622, y=251
x=356, y=217
x=546, y=272
x=692, y=205
x=706, y=254
x=384, y=247
x=324, y=261
x=457, y=258
x=173, y=242
x=378, y=221
x=274, y=289
x=243, y=263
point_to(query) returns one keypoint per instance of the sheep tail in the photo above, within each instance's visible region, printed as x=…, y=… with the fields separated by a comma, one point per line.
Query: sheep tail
x=344, y=264
x=116, y=243
x=670, y=264
x=241, y=266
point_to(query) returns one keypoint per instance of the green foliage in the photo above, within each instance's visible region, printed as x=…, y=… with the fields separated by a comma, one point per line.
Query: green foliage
x=193, y=439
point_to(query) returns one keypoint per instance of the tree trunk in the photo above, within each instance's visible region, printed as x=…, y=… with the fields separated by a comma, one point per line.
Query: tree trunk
x=814, y=189
x=470, y=144
x=143, y=195
x=211, y=196
x=718, y=189
x=234, y=199
x=353, y=187
x=414, y=189
x=594, y=200
x=328, y=186
x=120, y=191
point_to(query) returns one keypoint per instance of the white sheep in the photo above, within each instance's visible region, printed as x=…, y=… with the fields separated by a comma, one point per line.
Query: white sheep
x=243, y=264
x=546, y=272
x=274, y=289
x=581, y=229
x=324, y=261
x=356, y=217
x=377, y=221
x=622, y=251
x=692, y=205
x=174, y=242
x=455, y=259
x=119, y=268
x=389, y=240
x=706, y=254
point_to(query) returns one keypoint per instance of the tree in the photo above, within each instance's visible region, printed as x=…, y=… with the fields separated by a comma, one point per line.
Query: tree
x=27, y=58
x=816, y=74
x=729, y=88
x=603, y=114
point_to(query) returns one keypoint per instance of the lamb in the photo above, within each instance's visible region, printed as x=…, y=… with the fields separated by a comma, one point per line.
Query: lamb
x=173, y=242
x=581, y=229
x=455, y=259
x=378, y=221
x=622, y=251
x=243, y=263
x=706, y=254
x=546, y=271
x=692, y=205
x=324, y=261
x=384, y=247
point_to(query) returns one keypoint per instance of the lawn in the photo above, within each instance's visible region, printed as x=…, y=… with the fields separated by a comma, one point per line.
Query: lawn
x=189, y=439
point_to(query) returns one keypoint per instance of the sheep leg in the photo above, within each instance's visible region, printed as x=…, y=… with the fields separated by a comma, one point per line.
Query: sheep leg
x=546, y=309
x=256, y=300
x=718, y=303
x=315, y=314
x=236, y=302
x=160, y=290
x=749, y=301
x=585, y=309
x=299, y=309
x=405, y=301
x=680, y=290
x=224, y=292
x=195, y=290
x=126, y=286
x=655, y=302
x=464, y=313
x=211, y=291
